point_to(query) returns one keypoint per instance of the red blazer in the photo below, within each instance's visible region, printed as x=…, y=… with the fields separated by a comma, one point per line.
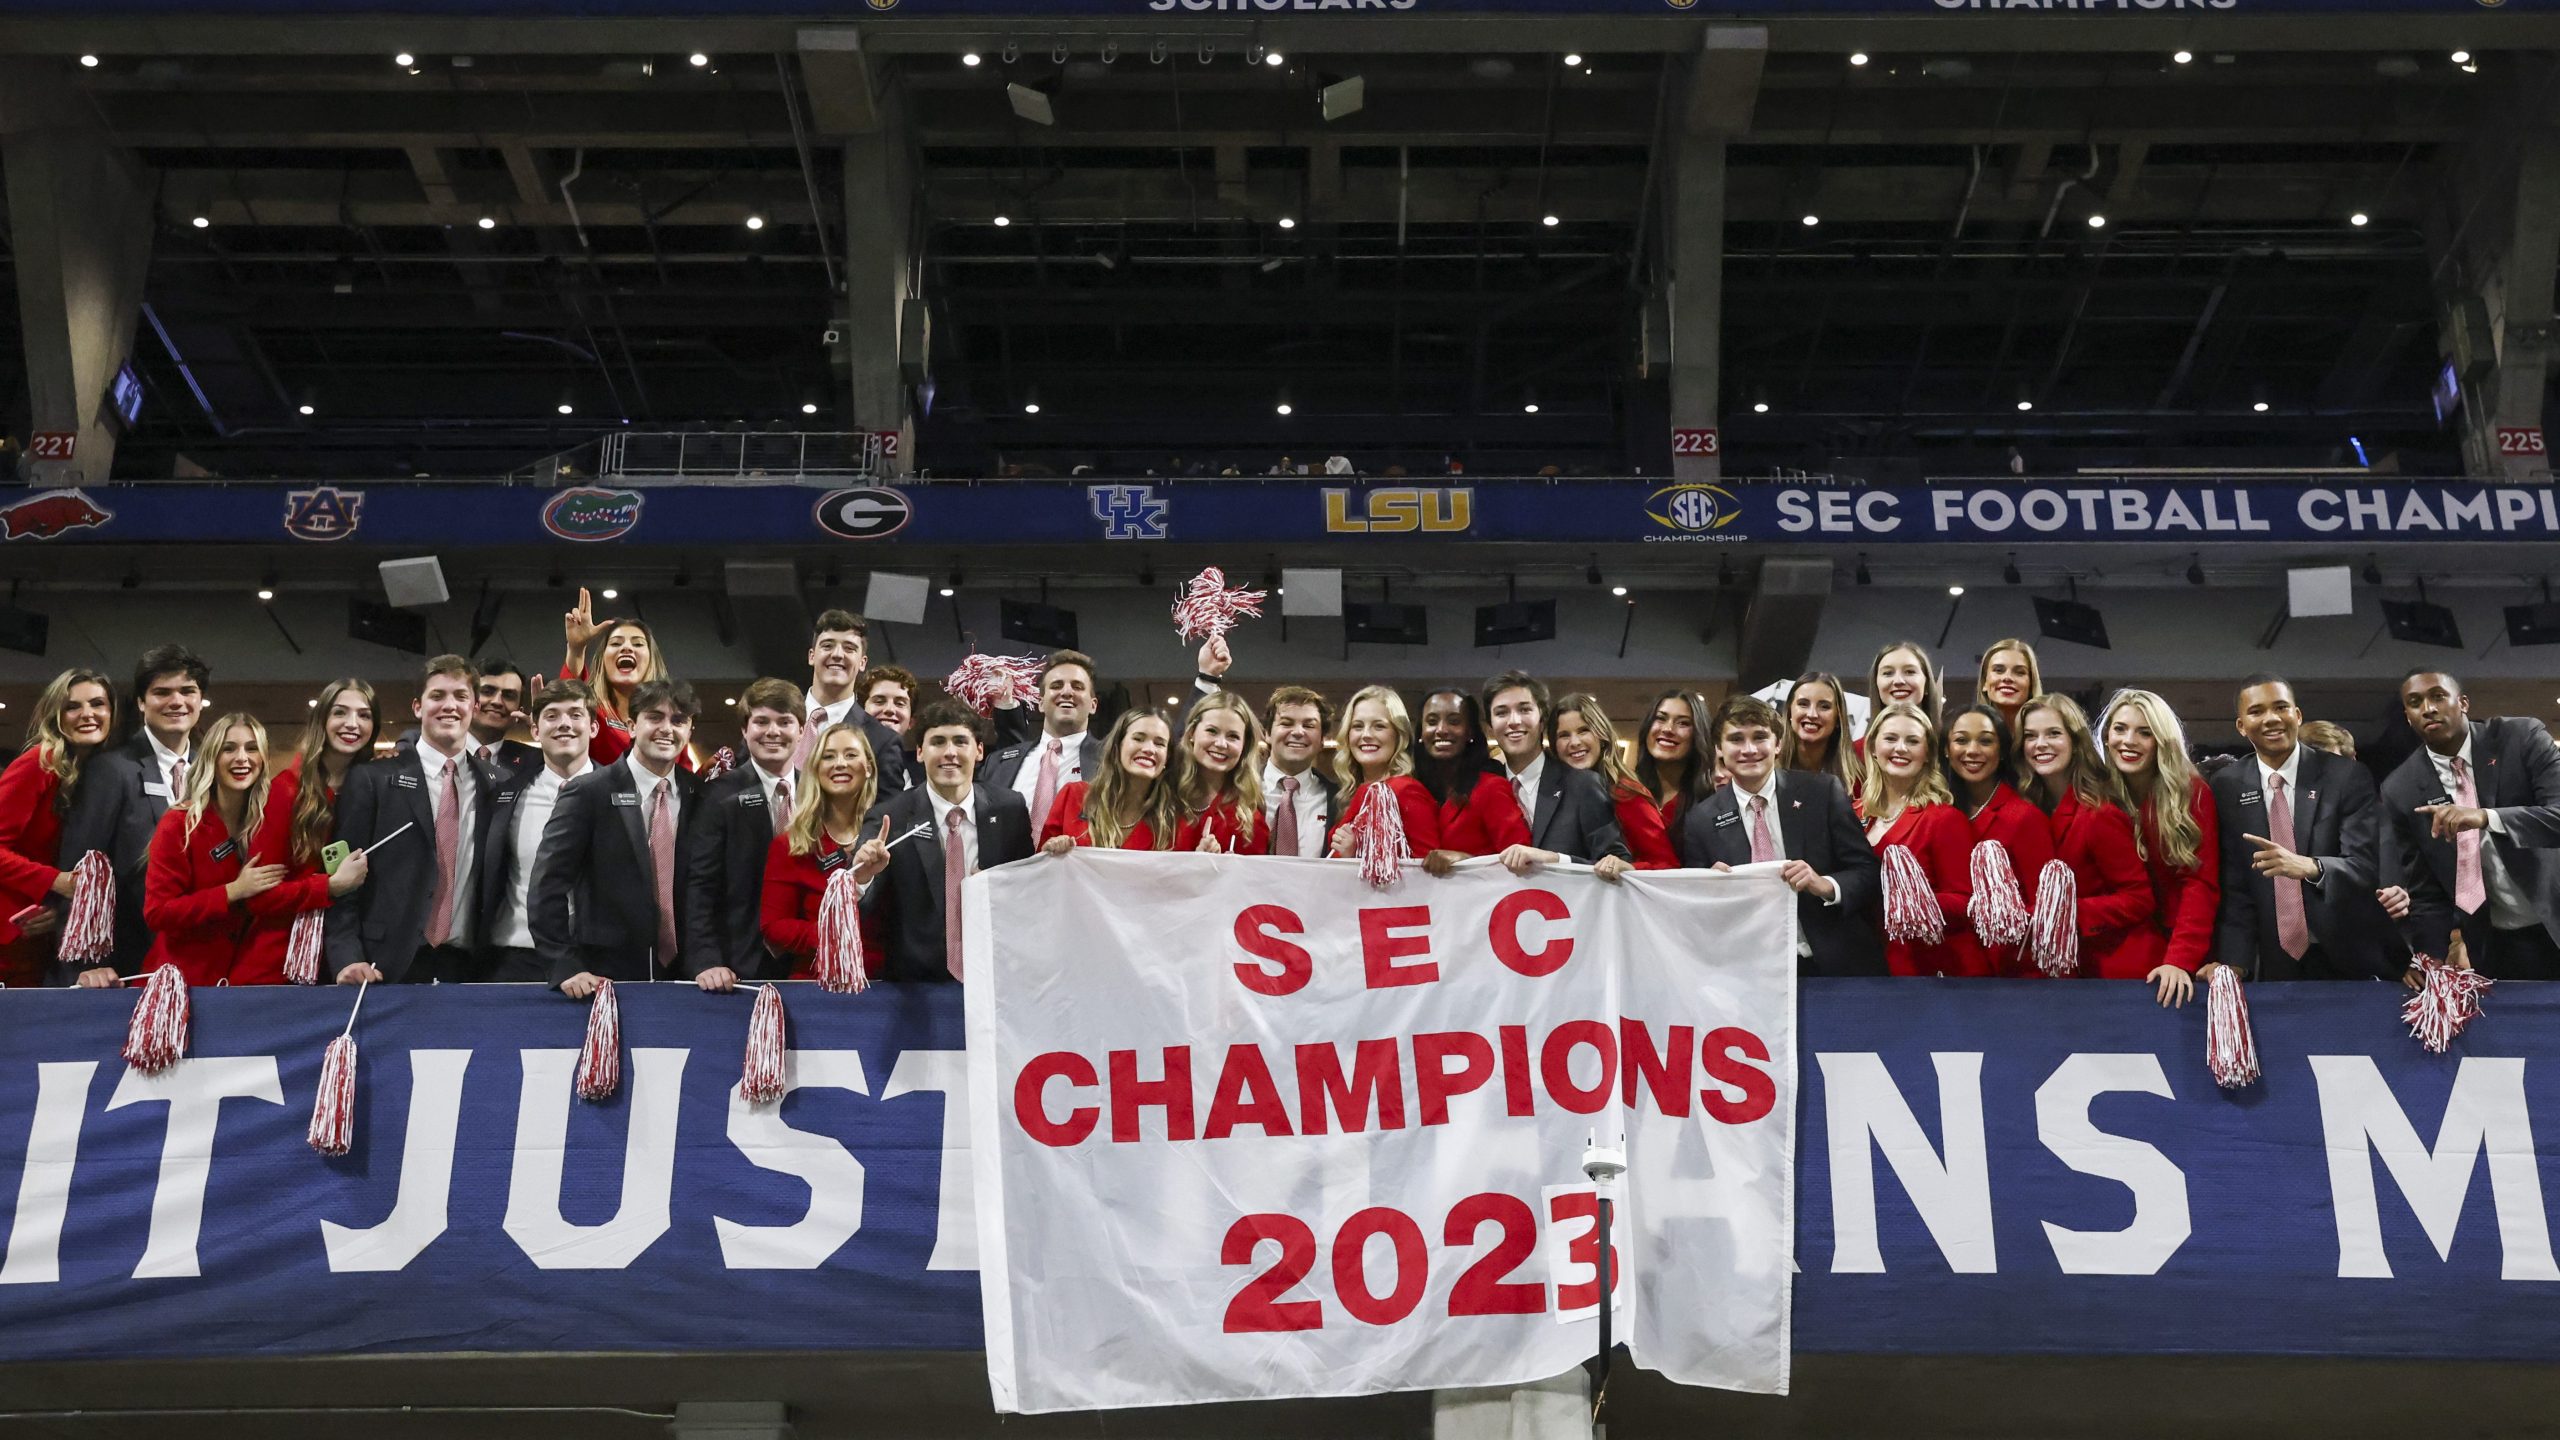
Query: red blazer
x=30, y=837
x=2025, y=832
x=1066, y=817
x=194, y=925
x=1938, y=837
x=794, y=887
x=1648, y=838
x=1220, y=820
x=1487, y=821
x=2117, y=939
x=306, y=887
x=2185, y=901
x=1421, y=815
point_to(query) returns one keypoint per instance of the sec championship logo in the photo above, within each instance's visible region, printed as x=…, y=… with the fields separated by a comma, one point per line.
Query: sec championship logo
x=1692, y=509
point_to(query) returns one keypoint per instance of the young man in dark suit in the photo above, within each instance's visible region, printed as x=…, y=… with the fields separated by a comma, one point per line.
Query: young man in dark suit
x=2301, y=837
x=968, y=827
x=418, y=917
x=838, y=645
x=564, y=723
x=1801, y=818
x=607, y=882
x=2472, y=814
x=1569, y=811
x=725, y=847
x=1065, y=749
x=497, y=707
x=125, y=790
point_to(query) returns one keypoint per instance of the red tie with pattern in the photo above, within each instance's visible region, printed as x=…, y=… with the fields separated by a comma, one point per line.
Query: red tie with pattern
x=955, y=869
x=1764, y=846
x=448, y=845
x=2293, y=931
x=1044, y=790
x=781, y=804
x=662, y=860
x=2470, y=887
x=1284, y=822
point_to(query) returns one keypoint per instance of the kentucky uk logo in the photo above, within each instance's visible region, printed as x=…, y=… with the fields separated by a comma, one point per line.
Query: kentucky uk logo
x=1130, y=512
x=53, y=513
x=323, y=514
x=588, y=513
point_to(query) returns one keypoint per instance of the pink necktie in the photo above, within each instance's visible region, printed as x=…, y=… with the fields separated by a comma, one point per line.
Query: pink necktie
x=955, y=868
x=808, y=740
x=662, y=859
x=1284, y=825
x=1044, y=791
x=178, y=782
x=2293, y=932
x=782, y=809
x=448, y=845
x=2470, y=889
x=1764, y=846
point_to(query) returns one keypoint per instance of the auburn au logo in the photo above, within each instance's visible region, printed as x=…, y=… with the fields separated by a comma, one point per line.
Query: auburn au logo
x=1399, y=510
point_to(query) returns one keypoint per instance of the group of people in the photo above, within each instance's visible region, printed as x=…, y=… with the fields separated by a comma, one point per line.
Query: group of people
x=2008, y=836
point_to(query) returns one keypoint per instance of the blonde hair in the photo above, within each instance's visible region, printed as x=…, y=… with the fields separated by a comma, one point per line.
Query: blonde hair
x=2090, y=776
x=1929, y=787
x=1932, y=686
x=1106, y=794
x=1611, y=765
x=1346, y=770
x=1198, y=789
x=2171, y=803
x=45, y=732
x=203, y=775
x=1982, y=670
x=315, y=814
x=2330, y=736
x=1839, y=758
x=809, y=802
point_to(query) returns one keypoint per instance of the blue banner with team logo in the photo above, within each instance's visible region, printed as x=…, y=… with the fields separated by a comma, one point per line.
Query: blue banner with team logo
x=944, y=514
x=1982, y=1166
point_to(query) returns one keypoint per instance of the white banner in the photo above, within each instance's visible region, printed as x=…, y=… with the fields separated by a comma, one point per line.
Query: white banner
x=1245, y=1129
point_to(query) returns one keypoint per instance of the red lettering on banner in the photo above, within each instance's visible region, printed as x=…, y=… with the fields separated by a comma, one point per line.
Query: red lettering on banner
x=1129, y=1094
x=1258, y=1308
x=1664, y=1072
x=1584, y=1249
x=1376, y=1083
x=1351, y=1266
x=1516, y=1096
x=1759, y=1090
x=1547, y=959
x=1481, y=1288
x=1381, y=946
x=1258, y=931
x=1032, y=1114
x=1434, y=1082
x=1555, y=1065
x=1246, y=1096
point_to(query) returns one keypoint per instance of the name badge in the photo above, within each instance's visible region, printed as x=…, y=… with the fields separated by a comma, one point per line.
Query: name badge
x=756, y=798
x=2248, y=797
x=154, y=787
x=2439, y=800
x=226, y=849
x=1733, y=819
x=503, y=796
x=405, y=782
x=832, y=860
x=626, y=798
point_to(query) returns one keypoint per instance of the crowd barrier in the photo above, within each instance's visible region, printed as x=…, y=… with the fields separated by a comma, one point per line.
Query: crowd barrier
x=1982, y=1166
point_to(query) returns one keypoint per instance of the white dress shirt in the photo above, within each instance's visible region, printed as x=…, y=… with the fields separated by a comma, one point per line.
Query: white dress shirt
x=968, y=824
x=647, y=784
x=533, y=811
x=167, y=759
x=2509, y=907
x=1070, y=766
x=1524, y=788
x=433, y=762
x=772, y=786
x=1311, y=793
x=822, y=716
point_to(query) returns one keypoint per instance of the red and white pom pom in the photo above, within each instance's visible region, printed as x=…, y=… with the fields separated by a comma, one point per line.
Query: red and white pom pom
x=333, y=1110
x=1208, y=609
x=1911, y=912
x=157, y=1039
x=600, y=1060
x=982, y=680
x=89, y=931
x=761, y=1081
x=839, y=961
x=1378, y=837
x=2230, y=1051
x=1998, y=911
x=2053, y=936
x=302, y=947
x=2447, y=1001
x=723, y=760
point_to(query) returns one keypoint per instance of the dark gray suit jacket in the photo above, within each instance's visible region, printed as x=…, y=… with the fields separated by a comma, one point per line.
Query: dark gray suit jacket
x=2516, y=772
x=724, y=854
x=1817, y=825
x=1575, y=816
x=384, y=920
x=907, y=897
x=2336, y=821
x=594, y=894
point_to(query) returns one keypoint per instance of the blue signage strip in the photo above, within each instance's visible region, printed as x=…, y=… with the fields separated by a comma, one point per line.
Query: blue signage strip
x=1348, y=13
x=1042, y=512
x=1982, y=1167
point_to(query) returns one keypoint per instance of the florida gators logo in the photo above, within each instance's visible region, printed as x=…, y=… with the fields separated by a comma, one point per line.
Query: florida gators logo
x=327, y=513
x=51, y=514
x=588, y=513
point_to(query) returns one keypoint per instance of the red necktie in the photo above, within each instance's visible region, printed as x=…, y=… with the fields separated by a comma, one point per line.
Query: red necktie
x=1284, y=825
x=448, y=845
x=2293, y=932
x=662, y=859
x=955, y=869
x=2470, y=888
x=1764, y=846
x=781, y=806
x=1044, y=791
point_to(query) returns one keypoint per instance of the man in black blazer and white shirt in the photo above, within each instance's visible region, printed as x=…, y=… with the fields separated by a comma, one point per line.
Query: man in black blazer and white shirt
x=125, y=790
x=564, y=721
x=607, y=884
x=1802, y=818
x=418, y=917
x=838, y=647
x=1568, y=810
x=2301, y=837
x=2471, y=815
x=725, y=848
x=1064, y=751
x=1297, y=720
x=915, y=900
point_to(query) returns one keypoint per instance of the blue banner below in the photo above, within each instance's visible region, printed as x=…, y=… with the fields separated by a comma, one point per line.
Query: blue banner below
x=1982, y=1167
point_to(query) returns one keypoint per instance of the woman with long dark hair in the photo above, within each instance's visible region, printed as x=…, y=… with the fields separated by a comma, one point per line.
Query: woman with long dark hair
x=614, y=659
x=1584, y=739
x=1479, y=814
x=2108, y=900
x=301, y=813
x=2012, y=839
x=1675, y=760
x=72, y=719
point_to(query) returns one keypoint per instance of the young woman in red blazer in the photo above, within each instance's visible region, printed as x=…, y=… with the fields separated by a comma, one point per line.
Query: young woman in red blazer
x=201, y=877
x=299, y=818
x=72, y=719
x=1373, y=745
x=2093, y=834
x=1479, y=812
x=1130, y=805
x=1584, y=739
x=1218, y=792
x=1908, y=809
x=1979, y=754
x=834, y=791
x=1671, y=764
x=2181, y=848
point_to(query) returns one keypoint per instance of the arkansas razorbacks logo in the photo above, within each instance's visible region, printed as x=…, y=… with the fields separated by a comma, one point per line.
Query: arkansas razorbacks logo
x=50, y=515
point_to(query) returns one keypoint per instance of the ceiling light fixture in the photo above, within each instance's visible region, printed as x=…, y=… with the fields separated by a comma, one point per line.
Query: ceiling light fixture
x=2259, y=405
x=266, y=592
x=1531, y=408
x=2461, y=57
x=2097, y=222
x=1956, y=590
x=610, y=593
x=1274, y=58
x=1284, y=408
x=2359, y=219
x=200, y=222
x=1551, y=221
x=1287, y=223
x=307, y=410
x=755, y=222
x=1812, y=220
x=2184, y=57
x=567, y=409
x=1572, y=58
x=404, y=58
x=488, y=222
x=1032, y=407
x=697, y=59
x=971, y=58
x=1857, y=57
x=1758, y=407
x=2025, y=404
x=810, y=407
x=1002, y=221
x=88, y=62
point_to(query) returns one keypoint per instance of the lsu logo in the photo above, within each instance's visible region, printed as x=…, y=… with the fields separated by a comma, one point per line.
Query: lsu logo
x=1401, y=510
x=51, y=514
x=1130, y=512
x=1693, y=508
x=588, y=513
x=327, y=513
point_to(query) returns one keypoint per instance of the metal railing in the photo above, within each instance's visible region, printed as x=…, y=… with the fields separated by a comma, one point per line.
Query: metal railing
x=741, y=457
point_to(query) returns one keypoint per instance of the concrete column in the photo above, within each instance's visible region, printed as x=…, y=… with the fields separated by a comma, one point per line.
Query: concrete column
x=1724, y=86
x=852, y=99
x=2502, y=226
x=80, y=221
